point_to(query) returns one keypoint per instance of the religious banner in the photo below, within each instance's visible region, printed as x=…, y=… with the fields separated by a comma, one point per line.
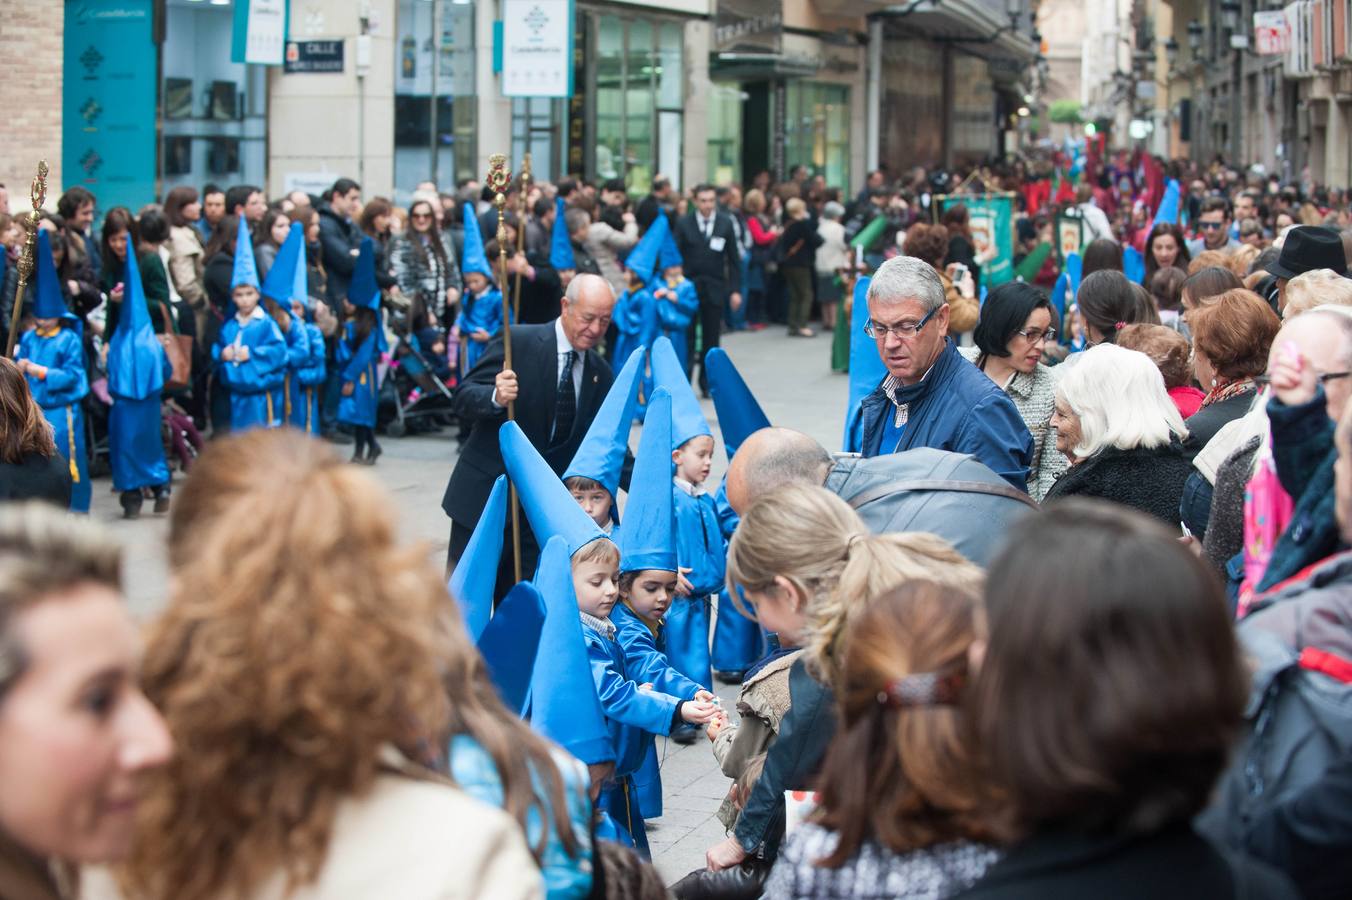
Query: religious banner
x=537, y=48
x=1069, y=235
x=991, y=220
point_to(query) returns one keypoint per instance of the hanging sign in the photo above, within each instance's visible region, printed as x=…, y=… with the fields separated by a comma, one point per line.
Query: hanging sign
x=537, y=48
x=258, y=35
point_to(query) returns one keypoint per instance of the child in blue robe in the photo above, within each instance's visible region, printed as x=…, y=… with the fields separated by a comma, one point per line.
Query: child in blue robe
x=250, y=352
x=480, y=315
x=307, y=385
x=593, y=477
x=358, y=355
x=279, y=291
x=636, y=314
x=137, y=369
x=700, y=547
x=51, y=356
x=676, y=300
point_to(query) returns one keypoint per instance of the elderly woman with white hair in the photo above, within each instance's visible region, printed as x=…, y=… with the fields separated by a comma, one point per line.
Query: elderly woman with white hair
x=1115, y=422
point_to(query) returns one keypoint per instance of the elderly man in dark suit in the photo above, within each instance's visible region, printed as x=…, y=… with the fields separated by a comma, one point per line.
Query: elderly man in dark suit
x=712, y=259
x=558, y=382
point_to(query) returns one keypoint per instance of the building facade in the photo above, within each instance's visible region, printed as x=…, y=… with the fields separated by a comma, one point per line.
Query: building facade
x=151, y=94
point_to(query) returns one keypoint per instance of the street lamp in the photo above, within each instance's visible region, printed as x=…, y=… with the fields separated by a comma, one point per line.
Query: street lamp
x=1171, y=52
x=1230, y=10
x=1195, y=32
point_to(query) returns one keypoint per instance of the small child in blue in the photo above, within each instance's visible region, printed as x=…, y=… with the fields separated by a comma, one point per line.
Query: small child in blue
x=307, y=385
x=480, y=317
x=633, y=711
x=250, y=357
x=358, y=354
x=676, y=300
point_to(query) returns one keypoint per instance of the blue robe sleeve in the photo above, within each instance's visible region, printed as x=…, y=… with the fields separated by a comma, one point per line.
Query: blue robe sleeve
x=67, y=375
x=311, y=372
x=297, y=345
x=622, y=701
x=627, y=319
x=996, y=434
x=699, y=542
x=646, y=664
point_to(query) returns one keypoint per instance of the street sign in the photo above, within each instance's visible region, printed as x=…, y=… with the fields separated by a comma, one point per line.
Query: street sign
x=537, y=48
x=1271, y=33
x=310, y=57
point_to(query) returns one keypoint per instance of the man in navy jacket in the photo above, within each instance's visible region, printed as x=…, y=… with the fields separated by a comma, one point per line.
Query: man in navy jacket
x=931, y=396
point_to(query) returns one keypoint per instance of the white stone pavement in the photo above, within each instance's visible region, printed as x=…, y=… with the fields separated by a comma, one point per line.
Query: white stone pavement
x=791, y=377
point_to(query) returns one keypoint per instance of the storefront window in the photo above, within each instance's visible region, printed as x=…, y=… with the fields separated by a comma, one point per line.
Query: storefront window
x=911, y=83
x=973, y=110
x=215, y=110
x=434, y=103
x=638, y=118
x=817, y=130
x=537, y=130
x=725, y=134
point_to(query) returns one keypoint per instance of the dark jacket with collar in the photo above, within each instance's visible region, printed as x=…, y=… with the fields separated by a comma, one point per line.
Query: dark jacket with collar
x=955, y=407
x=711, y=270
x=1173, y=864
x=337, y=237
x=535, y=361
x=1203, y=424
x=1148, y=479
x=1303, y=455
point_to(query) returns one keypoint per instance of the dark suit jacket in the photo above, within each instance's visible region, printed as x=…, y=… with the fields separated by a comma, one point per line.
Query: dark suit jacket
x=712, y=271
x=535, y=361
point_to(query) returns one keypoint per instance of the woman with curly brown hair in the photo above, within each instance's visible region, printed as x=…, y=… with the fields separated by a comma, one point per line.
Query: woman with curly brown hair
x=30, y=467
x=930, y=243
x=310, y=667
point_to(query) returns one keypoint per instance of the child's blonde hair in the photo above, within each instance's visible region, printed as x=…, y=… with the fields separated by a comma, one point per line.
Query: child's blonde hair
x=601, y=550
x=811, y=537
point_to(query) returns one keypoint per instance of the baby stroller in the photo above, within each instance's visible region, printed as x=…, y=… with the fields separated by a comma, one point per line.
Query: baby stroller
x=416, y=390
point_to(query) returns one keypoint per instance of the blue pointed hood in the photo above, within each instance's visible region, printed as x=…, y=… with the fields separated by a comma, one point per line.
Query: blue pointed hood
x=564, y=706
x=642, y=260
x=511, y=643
x=739, y=415
x=600, y=457
x=135, y=357
x=49, y=303
x=300, y=288
x=866, y=366
x=670, y=254
x=1133, y=264
x=1167, y=212
x=246, y=270
x=648, y=539
x=280, y=283
x=362, y=290
x=473, y=258
x=560, y=244
x=687, y=420
x=476, y=572
x=549, y=507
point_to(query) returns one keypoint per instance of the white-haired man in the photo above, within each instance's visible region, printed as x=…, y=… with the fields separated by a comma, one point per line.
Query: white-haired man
x=931, y=396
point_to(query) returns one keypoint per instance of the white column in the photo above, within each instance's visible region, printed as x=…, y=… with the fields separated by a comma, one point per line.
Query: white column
x=874, y=99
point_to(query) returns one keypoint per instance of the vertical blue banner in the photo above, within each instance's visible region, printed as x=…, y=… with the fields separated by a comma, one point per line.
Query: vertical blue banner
x=108, y=101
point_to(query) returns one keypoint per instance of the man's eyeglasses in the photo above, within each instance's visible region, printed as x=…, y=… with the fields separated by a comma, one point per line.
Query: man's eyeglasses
x=1210, y=226
x=1033, y=336
x=902, y=330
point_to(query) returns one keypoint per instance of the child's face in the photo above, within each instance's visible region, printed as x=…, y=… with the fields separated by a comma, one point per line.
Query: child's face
x=348, y=309
x=694, y=458
x=652, y=593
x=46, y=324
x=246, y=299
x=475, y=282
x=298, y=309
x=673, y=273
x=595, y=504
x=594, y=583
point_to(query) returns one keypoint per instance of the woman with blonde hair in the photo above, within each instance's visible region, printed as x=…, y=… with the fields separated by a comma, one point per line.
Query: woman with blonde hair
x=77, y=736
x=310, y=668
x=801, y=555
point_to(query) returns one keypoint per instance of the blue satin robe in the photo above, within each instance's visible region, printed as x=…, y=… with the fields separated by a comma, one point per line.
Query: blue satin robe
x=737, y=639
x=647, y=663
x=481, y=312
x=307, y=383
x=358, y=367
x=297, y=355
x=636, y=321
x=631, y=715
x=253, y=383
x=675, y=316
x=701, y=548
x=59, y=395
x=135, y=442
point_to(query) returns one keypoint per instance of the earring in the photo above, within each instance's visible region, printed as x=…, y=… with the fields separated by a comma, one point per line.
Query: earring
x=1213, y=382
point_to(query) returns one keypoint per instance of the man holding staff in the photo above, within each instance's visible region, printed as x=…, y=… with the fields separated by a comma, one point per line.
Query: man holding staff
x=557, y=383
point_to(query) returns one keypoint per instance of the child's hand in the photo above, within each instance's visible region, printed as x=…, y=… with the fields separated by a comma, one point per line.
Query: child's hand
x=698, y=712
x=349, y=388
x=646, y=686
x=704, y=695
x=714, y=728
x=439, y=348
x=683, y=585
x=243, y=353
x=228, y=353
x=480, y=336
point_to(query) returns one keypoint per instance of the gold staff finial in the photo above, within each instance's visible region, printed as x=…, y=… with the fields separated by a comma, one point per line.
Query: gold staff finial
x=498, y=178
x=28, y=258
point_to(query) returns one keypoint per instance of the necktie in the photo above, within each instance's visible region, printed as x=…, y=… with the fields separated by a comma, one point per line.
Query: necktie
x=565, y=400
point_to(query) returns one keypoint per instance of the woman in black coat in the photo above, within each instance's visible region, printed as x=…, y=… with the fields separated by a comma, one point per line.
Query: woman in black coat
x=30, y=467
x=1115, y=422
x=1109, y=695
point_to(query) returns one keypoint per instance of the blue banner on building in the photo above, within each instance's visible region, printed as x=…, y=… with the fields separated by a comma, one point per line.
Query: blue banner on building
x=108, y=101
